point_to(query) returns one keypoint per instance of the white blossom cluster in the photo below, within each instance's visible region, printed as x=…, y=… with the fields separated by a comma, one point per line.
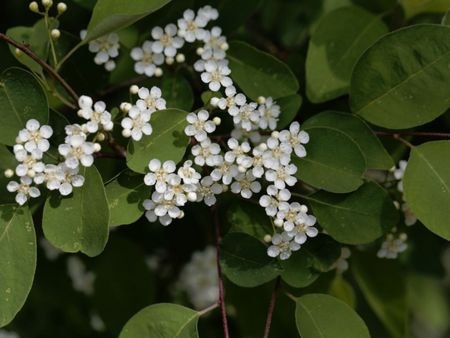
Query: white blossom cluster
x=106, y=49
x=247, y=162
x=82, y=279
x=398, y=173
x=393, y=245
x=33, y=142
x=199, y=278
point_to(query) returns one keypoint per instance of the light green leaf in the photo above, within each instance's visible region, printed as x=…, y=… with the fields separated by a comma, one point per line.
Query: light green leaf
x=290, y=106
x=334, y=162
x=111, y=15
x=383, y=285
x=414, y=7
x=17, y=259
x=374, y=152
x=167, y=142
x=335, y=46
x=260, y=74
x=403, y=80
x=125, y=195
x=162, y=320
x=356, y=218
x=323, y=316
x=79, y=222
x=426, y=185
x=21, y=99
x=245, y=261
x=343, y=290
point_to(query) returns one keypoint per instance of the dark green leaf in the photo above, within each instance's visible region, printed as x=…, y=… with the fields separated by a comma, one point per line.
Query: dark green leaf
x=247, y=217
x=290, y=106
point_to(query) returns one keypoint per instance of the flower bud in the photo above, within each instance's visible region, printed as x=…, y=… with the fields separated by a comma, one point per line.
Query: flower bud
x=126, y=133
x=224, y=46
x=47, y=3
x=180, y=58
x=55, y=33
x=134, y=89
x=18, y=52
x=267, y=238
x=217, y=120
x=34, y=7
x=261, y=100
x=170, y=60
x=214, y=101
x=125, y=107
x=101, y=136
x=62, y=7
x=200, y=51
x=158, y=72
x=31, y=173
x=97, y=147
x=9, y=173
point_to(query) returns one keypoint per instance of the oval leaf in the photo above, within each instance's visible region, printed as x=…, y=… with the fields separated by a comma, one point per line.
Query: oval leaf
x=323, y=316
x=289, y=106
x=162, y=320
x=21, y=99
x=17, y=259
x=403, y=80
x=245, y=261
x=356, y=218
x=79, y=222
x=335, y=46
x=426, y=185
x=259, y=73
x=167, y=142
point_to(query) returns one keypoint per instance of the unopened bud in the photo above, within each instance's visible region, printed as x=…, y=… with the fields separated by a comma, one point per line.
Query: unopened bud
x=267, y=238
x=180, y=58
x=158, y=72
x=9, y=173
x=134, y=89
x=31, y=173
x=224, y=46
x=261, y=100
x=217, y=120
x=170, y=60
x=97, y=147
x=126, y=133
x=275, y=134
x=55, y=33
x=403, y=236
x=18, y=52
x=214, y=101
x=200, y=51
x=47, y=3
x=125, y=107
x=62, y=7
x=34, y=7
x=101, y=137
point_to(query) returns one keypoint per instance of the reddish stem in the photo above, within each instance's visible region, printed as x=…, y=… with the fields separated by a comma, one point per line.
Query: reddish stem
x=271, y=309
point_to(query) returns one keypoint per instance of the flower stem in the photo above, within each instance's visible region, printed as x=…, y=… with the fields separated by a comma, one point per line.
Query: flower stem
x=42, y=63
x=223, y=310
x=272, y=303
x=396, y=134
x=208, y=309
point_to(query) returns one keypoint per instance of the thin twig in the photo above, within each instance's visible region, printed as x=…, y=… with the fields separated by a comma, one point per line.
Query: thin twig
x=412, y=133
x=208, y=309
x=223, y=310
x=272, y=303
x=42, y=63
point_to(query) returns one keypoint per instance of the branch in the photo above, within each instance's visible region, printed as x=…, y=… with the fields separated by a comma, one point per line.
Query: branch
x=412, y=133
x=42, y=63
x=223, y=310
x=273, y=300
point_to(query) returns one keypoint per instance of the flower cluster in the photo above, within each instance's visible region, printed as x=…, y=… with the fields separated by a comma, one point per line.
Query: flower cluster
x=199, y=278
x=33, y=142
x=392, y=246
x=106, y=49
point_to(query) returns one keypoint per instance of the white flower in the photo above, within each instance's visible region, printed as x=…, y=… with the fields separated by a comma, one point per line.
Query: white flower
x=199, y=278
x=293, y=139
x=188, y=174
x=136, y=124
x=31, y=163
x=275, y=154
x=341, y=264
x=160, y=209
x=269, y=113
x=245, y=184
x=23, y=189
x=282, y=176
x=106, y=48
x=303, y=228
x=206, y=153
x=224, y=171
x=179, y=191
x=399, y=173
x=409, y=215
x=146, y=59
x=166, y=40
x=282, y=246
x=289, y=215
x=150, y=99
x=274, y=198
x=392, y=246
x=82, y=280
x=159, y=174
x=99, y=117
x=77, y=151
x=214, y=40
x=232, y=102
x=199, y=125
x=257, y=160
x=191, y=26
x=209, y=12
x=216, y=75
x=68, y=178
x=35, y=136
x=237, y=151
x=207, y=189
x=247, y=117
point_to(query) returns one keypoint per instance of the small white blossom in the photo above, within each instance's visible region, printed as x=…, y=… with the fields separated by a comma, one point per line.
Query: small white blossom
x=282, y=176
x=166, y=40
x=393, y=246
x=232, y=102
x=98, y=116
x=216, y=75
x=289, y=215
x=237, y=151
x=245, y=184
x=35, y=136
x=77, y=151
x=23, y=189
x=303, y=228
x=191, y=27
x=224, y=171
x=161, y=209
x=275, y=154
x=150, y=99
x=199, y=126
x=31, y=163
x=282, y=246
x=106, y=49
x=146, y=59
x=188, y=174
x=136, y=124
x=207, y=190
x=206, y=153
x=269, y=113
x=399, y=173
x=247, y=117
x=209, y=12
x=159, y=174
x=293, y=139
x=274, y=198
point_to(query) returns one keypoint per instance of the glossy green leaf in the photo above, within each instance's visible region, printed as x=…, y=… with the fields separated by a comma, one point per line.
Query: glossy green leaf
x=383, y=285
x=260, y=74
x=125, y=195
x=403, y=80
x=79, y=222
x=343, y=290
x=21, y=99
x=245, y=261
x=374, y=152
x=167, y=142
x=247, y=217
x=17, y=259
x=177, y=91
x=335, y=46
x=334, y=161
x=356, y=218
x=162, y=320
x=289, y=106
x=426, y=185
x=415, y=7
x=111, y=15
x=323, y=316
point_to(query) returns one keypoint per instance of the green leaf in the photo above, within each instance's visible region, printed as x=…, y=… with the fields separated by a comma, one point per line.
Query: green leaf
x=446, y=19
x=7, y=161
x=374, y=152
x=414, y=7
x=335, y=46
x=323, y=316
x=245, y=261
x=247, y=217
x=177, y=91
x=290, y=106
x=162, y=320
x=356, y=218
x=403, y=80
x=334, y=162
x=343, y=290
x=167, y=142
x=125, y=195
x=383, y=285
x=79, y=222
x=17, y=259
x=260, y=74
x=426, y=185
x=21, y=99
x=111, y=15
